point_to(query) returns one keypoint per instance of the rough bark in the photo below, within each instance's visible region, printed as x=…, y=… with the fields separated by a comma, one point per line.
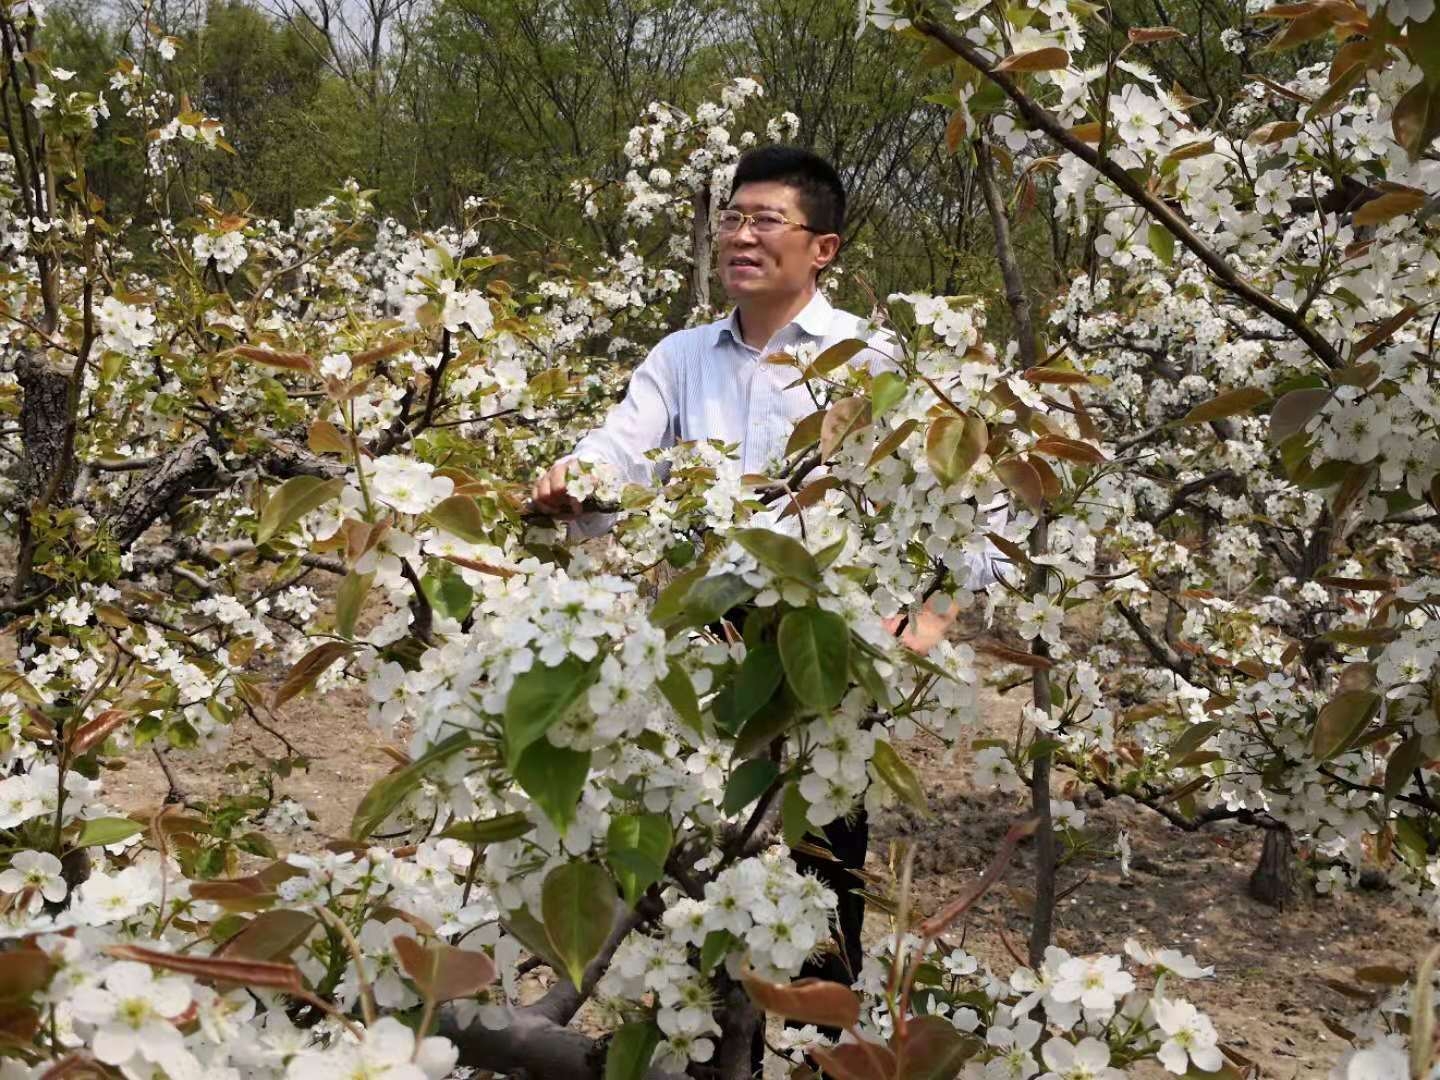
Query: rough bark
x=1015, y=297
x=47, y=465
x=1042, y=925
x=1273, y=879
x=700, y=250
x=161, y=489
x=738, y=1022
x=44, y=415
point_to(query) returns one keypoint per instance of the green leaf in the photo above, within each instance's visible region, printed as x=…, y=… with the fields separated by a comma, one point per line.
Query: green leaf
x=886, y=392
x=390, y=791
x=1424, y=40
x=748, y=782
x=530, y=932
x=780, y=554
x=900, y=777
x=815, y=650
x=953, y=445
x=776, y=717
x=448, y=594
x=670, y=604
x=1294, y=410
x=292, y=500
x=755, y=684
x=1404, y=760
x=794, y=822
x=1341, y=719
x=539, y=698
x=489, y=831
x=631, y=1048
x=349, y=598
x=578, y=904
x=1191, y=739
x=103, y=831
x=718, y=944
x=554, y=778
x=636, y=848
x=710, y=598
x=679, y=691
x=460, y=516
x=1162, y=242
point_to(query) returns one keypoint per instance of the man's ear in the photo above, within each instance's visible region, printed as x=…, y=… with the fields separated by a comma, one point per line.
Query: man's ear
x=827, y=246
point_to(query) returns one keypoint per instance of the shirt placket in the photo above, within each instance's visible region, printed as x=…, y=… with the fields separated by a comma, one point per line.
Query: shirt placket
x=766, y=414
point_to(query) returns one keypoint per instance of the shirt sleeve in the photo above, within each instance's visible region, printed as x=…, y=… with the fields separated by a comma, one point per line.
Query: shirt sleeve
x=644, y=420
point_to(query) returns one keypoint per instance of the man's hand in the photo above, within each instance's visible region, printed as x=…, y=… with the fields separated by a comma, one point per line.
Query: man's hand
x=925, y=630
x=550, y=495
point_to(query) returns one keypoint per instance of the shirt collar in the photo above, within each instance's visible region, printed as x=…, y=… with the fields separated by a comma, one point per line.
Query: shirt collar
x=814, y=319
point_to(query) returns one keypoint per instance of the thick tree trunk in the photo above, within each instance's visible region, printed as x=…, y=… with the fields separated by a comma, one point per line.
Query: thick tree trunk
x=700, y=250
x=47, y=465
x=162, y=488
x=1273, y=880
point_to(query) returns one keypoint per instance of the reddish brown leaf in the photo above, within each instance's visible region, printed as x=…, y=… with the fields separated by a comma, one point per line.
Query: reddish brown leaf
x=955, y=130
x=1041, y=375
x=1274, y=132
x=309, y=668
x=443, y=972
x=270, y=936
x=1384, y=331
x=270, y=358
x=1294, y=410
x=845, y=416
x=851, y=1061
x=1144, y=35
x=379, y=352
x=1014, y=656
x=284, y=977
x=1021, y=478
x=1389, y=205
x=811, y=1001
x=1069, y=450
x=1051, y=58
x=94, y=732
x=23, y=971
x=938, y=923
x=933, y=1049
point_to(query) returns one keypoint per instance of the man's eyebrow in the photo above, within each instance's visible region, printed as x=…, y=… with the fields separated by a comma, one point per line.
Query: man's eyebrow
x=757, y=206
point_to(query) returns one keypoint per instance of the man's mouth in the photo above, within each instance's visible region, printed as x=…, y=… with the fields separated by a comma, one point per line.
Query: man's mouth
x=741, y=261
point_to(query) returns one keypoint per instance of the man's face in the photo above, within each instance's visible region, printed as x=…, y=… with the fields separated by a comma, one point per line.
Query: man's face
x=771, y=265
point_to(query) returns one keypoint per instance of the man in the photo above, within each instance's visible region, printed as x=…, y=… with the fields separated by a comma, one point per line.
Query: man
x=780, y=230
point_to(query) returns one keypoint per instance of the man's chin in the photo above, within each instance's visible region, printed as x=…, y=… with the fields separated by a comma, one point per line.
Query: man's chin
x=746, y=288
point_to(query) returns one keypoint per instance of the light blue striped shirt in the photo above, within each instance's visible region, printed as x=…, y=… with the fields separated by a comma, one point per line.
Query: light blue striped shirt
x=706, y=383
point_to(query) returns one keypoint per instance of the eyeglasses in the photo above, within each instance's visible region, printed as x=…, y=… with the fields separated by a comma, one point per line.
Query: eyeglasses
x=764, y=222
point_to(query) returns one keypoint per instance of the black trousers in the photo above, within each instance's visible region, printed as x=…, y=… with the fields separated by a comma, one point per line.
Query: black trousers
x=848, y=841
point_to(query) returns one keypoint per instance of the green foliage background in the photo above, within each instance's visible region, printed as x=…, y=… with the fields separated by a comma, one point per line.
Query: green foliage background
x=515, y=99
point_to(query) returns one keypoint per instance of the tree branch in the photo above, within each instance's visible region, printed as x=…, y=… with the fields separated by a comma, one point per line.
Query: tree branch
x=1038, y=117
x=1162, y=652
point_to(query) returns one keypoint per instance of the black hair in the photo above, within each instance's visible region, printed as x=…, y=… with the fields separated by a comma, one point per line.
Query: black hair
x=819, y=189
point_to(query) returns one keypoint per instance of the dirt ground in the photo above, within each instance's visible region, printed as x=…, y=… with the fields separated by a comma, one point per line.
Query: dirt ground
x=1185, y=890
